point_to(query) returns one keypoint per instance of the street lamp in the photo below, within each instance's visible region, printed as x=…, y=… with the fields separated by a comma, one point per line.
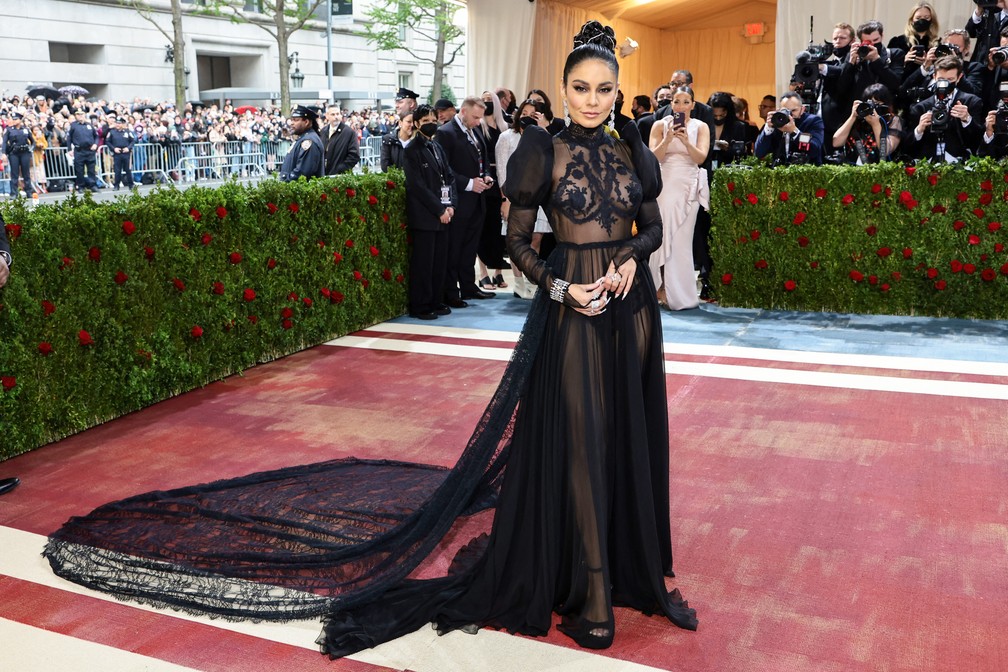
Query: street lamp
x=297, y=79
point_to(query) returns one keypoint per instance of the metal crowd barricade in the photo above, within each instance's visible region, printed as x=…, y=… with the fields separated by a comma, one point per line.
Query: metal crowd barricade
x=370, y=153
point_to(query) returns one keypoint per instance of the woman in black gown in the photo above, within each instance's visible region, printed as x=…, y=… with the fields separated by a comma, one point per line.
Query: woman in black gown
x=572, y=450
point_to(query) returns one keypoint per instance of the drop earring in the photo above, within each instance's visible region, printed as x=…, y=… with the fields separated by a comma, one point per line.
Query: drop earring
x=612, y=118
x=566, y=113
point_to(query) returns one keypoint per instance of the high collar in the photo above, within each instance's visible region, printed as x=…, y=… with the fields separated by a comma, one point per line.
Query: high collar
x=579, y=131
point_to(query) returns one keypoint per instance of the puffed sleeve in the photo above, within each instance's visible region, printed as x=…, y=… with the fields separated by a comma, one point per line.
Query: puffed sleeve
x=529, y=179
x=649, y=224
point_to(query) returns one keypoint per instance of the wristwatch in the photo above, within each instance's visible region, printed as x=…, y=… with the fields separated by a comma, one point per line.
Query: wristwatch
x=6, y=257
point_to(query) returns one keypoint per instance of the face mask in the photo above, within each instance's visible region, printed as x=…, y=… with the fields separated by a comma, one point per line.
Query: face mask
x=489, y=108
x=921, y=25
x=527, y=121
x=719, y=122
x=429, y=129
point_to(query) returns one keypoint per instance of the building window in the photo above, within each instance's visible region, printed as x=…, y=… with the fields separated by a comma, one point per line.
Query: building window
x=341, y=69
x=67, y=52
x=406, y=80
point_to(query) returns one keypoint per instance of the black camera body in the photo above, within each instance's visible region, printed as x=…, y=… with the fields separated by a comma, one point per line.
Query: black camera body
x=863, y=49
x=940, y=116
x=944, y=49
x=999, y=55
x=819, y=53
x=1001, y=118
x=779, y=119
x=866, y=108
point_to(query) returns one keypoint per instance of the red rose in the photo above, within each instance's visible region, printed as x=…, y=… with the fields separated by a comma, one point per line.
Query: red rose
x=803, y=241
x=962, y=197
x=48, y=308
x=399, y=277
x=365, y=283
x=753, y=199
x=121, y=278
x=196, y=331
x=905, y=196
x=271, y=263
x=779, y=230
x=969, y=269
x=988, y=275
x=321, y=244
x=287, y=324
x=324, y=197
x=149, y=253
x=736, y=201
x=389, y=184
x=754, y=234
x=94, y=254
x=731, y=185
x=940, y=285
x=974, y=239
x=1004, y=269
x=820, y=193
x=221, y=212
x=206, y=238
x=307, y=302
x=286, y=313
x=897, y=276
x=272, y=208
x=871, y=230
x=813, y=264
x=979, y=212
x=994, y=226
x=218, y=288
x=727, y=278
x=910, y=170
x=872, y=279
x=84, y=338
x=986, y=185
x=907, y=252
x=8, y=382
x=999, y=247
x=790, y=285
x=911, y=204
x=349, y=242
x=129, y=228
x=932, y=273
x=876, y=188
x=357, y=275
x=350, y=193
x=235, y=257
x=933, y=179
x=847, y=199
x=13, y=231
x=799, y=218
x=66, y=263
x=986, y=198
x=856, y=276
x=325, y=292
x=254, y=319
x=385, y=217
x=249, y=294
x=195, y=214
x=374, y=251
x=939, y=209
x=336, y=297
x=293, y=296
x=761, y=264
x=955, y=265
x=784, y=196
x=958, y=225
x=294, y=207
x=884, y=287
x=884, y=252
x=45, y=348
x=387, y=274
x=179, y=285
x=337, y=257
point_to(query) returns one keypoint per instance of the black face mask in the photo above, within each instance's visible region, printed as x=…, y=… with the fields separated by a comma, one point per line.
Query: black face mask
x=489, y=108
x=921, y=25
x=842, y=52
x=527, y=121
x=720, y=122
x=429, y=129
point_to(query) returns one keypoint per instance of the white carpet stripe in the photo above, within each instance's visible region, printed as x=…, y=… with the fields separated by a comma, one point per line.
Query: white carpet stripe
x=422, y=651
x=945, y=388
x=29, y=649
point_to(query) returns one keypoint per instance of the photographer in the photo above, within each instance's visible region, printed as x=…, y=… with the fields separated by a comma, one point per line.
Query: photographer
x=993, y=72
x=947, y=126
x=872, y=132
x=834, y=101
x=985, y=25
x=730, y=141
x=868, y=63
x=995, y=138
x=791, y=135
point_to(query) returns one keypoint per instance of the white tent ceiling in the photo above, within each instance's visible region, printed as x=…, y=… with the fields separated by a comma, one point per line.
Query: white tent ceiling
x=675, y=14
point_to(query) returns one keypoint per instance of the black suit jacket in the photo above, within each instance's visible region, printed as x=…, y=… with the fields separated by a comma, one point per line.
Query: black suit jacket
x=465, y=162
x=985, y=39
x=4, y=246
x=427, y=168
x=342, y=149
x=959, y=142
x=773, y=143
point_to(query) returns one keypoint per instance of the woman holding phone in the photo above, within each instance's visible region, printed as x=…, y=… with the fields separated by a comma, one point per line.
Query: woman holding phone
x=919, y=36
x=680, y=144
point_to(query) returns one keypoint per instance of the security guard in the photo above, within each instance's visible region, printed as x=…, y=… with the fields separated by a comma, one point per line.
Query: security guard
x=306, y=156
x=120, y=140
x=83, y=138
x=18, y=146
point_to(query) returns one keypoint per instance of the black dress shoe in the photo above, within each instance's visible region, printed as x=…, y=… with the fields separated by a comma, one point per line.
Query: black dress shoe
x=457, y=303
x=442, y=310
x=8, y=484
x=429, y=315
x=479, y=294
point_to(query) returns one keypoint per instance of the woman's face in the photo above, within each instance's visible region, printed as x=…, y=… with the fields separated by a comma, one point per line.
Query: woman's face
x=921, y=13
x=590, y=92
x=406, y=126
x=536, y=97
x=682, y=102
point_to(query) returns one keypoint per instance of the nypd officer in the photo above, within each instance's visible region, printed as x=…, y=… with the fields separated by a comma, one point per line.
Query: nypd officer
x=306, y=156
x=120, y=140
x=18, y=145
x=83, y=138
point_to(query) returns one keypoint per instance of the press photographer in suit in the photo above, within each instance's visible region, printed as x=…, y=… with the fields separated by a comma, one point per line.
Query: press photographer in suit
x=6, y=484
x=791, y=135
x=985, y=25
x=947, y=126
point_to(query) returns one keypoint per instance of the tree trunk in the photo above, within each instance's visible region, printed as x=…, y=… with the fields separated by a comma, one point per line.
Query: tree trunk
x=281, y=38
x=439, y=56
x=178, y=43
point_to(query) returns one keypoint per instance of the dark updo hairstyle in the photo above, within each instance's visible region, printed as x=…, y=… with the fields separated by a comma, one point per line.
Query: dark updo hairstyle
x=594, y=41
x=421, y=112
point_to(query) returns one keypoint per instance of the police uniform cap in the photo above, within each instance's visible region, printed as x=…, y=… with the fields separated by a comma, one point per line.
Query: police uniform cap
x=16, y=115
x=443, y=104
x=403, y=92
x=304, y=112
x=121, y=120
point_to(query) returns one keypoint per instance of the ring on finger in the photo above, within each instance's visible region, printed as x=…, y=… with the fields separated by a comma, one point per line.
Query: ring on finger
x=594, y=305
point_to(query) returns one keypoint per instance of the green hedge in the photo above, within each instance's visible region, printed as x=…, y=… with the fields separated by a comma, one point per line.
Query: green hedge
x=886, y=239
x=114, y=306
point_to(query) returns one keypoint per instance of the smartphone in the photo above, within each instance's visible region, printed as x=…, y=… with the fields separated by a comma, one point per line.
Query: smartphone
x=678, y=118
x=919, y=50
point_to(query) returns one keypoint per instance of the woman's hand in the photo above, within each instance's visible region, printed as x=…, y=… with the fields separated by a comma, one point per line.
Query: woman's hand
x=592, y=297
x=620, y=280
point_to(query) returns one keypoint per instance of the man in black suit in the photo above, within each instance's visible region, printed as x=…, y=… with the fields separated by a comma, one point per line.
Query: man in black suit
x=467, y=152
x=6, y=484
x=431, y=197
x=947, y=126
x=787, y=143
x=342, y=149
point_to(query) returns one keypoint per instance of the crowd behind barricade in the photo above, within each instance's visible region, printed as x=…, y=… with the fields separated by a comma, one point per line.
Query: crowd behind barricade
x=199, y=142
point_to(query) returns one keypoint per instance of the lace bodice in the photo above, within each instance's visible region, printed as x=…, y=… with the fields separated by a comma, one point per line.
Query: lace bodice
x=593, y=187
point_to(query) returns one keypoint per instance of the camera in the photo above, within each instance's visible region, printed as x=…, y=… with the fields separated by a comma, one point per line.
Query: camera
x=866, y=108
x=940, y=116
x=780, y=119
x=943, y=49
x=1001, y=118
x=864, y=48
x=818, y=53
x=999, y=55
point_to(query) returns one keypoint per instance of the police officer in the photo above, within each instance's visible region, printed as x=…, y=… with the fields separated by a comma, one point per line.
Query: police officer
x=83, y=138
x=306, y=156
x=18, y=145
x=121, y=140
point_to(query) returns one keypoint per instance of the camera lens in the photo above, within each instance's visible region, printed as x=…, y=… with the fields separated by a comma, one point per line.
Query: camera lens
x=1000, y=56
x=865, y=109
x=780, y=118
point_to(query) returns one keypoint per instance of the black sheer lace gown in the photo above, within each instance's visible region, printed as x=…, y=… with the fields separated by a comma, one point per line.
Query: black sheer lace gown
x=572, y=452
